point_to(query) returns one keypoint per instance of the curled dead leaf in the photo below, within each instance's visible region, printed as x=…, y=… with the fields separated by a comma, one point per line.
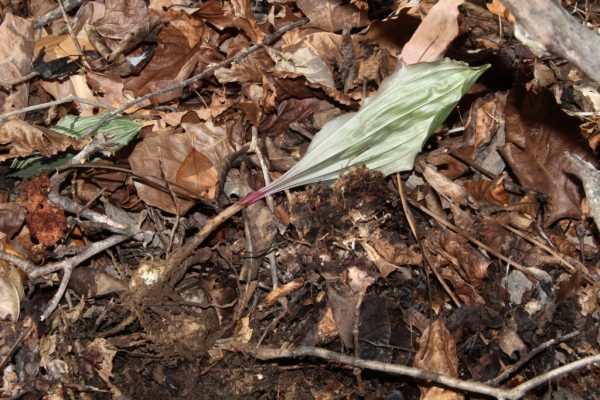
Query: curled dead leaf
x=21, y=139
x=437, y=353
x=332, y=15
x=445, y=186
x=16, y=51
x=11, y=291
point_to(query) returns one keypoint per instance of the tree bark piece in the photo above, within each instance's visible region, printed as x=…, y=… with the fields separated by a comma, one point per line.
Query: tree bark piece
x=548, y=23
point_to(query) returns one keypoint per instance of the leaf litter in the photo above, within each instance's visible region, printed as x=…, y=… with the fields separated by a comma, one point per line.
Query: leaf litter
x=127, y=272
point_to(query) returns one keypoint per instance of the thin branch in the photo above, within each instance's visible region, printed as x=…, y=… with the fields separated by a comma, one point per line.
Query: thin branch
x=546, y=22
x=265, y=353
x=207, y=72
x=8, y=85
x=173, y=271
x=68, y=265
x=55, y=14
x=70, y=205
x=572, y=265
x=413, y=227
x=255, y=147
x=23, y=265
x=70, y=30
x=479, y=243
x=504, y=375
x=53, y=103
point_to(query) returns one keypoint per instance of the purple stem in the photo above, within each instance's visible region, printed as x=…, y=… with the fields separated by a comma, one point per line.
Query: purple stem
x=254, y=197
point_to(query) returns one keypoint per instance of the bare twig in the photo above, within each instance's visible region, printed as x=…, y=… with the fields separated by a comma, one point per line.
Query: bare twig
x=13, y=348
x=49, y=104
x=504, y=375
x=479, y=243
x=8, y=85
x=255, y=147
x=570, y=264
x=547, y=23
x=174, y=272
x=68, y=265
x=23, y=265
x=70, y=29
x=207, y=72
x=70, y=205
x=413, y=228
x=265, y=353
x=55, y=14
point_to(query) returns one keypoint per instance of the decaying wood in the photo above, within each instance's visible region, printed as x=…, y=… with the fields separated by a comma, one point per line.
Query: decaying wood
x=547, y=23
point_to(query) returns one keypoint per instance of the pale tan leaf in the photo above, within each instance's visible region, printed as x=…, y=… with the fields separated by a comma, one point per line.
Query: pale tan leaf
x=445, y=186
x=16, y=51
x=11, y=291
x=432, y=38
x=20, y=139
x=332, y=15
x=437, y=353
x=198, y=174
x=305, y=62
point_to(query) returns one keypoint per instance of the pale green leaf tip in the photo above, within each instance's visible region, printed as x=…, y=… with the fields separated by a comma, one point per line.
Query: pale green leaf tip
x=389, y=131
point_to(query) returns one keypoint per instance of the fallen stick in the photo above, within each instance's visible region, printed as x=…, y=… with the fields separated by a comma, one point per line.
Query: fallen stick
x=547, y=23
x=266, y=353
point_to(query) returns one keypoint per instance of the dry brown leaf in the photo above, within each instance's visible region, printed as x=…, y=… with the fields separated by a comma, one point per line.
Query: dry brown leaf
x=538, y=133
x=222, y=16
x=445, y=186
x=469, y=262
x=510, y=343
x=437, y=353
x=466, y=292
x=489, y=191
x=198, y=174
x=434, y=35
x=392, y=34
x=11, y=290
x=20, y=139
x=326, y=329
x=163, y=155
x=12, y=216
x=385, y=267
x=173, y=61
x=16, y=51
x=260, y=228
x=497, y=8
x=305, y=62
x=210, y=140
x=289, y=111
x=284, y=290
x=249, y=70
x=332, y=15
x=342, y=297
x=99, y=354
x=123, y=27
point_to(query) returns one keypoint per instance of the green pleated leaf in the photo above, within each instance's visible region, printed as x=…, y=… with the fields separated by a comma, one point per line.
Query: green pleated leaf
x=119, y=130
x=388, y=132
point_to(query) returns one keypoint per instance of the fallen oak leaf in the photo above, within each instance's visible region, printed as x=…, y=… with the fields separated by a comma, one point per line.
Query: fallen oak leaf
x=538, y=133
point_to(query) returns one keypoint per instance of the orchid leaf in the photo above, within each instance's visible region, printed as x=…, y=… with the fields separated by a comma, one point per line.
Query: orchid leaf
x=388, y=132
x=119, y=130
